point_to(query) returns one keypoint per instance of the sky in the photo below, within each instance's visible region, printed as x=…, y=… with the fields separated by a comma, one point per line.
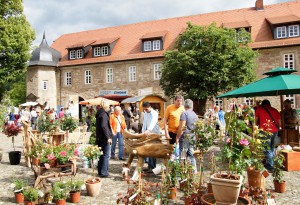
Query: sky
x=58, y=17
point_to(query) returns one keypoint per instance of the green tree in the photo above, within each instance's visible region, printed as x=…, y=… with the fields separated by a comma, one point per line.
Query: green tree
x=17, y=91
x=16, y=36
x=207, y=60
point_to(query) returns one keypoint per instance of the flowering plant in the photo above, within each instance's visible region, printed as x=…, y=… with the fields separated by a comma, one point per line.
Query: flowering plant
x=68, y=123
x=12, y=130
x=64, y=152
x=92, y=152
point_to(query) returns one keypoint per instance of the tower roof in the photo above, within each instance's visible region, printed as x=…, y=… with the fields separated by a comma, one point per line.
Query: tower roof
x=44, y=55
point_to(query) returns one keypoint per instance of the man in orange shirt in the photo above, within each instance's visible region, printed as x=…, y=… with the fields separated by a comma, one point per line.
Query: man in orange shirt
x=172, y=118
x=118, y=124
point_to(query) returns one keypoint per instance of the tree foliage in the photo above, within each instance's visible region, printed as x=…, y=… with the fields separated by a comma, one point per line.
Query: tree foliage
x=208, y=60
x=16, y=36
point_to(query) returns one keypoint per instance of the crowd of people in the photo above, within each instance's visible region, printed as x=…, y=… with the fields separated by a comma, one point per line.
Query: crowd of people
x=179, y=120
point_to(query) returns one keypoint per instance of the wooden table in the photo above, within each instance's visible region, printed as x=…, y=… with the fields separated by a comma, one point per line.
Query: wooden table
x=58, y=138
x=291, y=161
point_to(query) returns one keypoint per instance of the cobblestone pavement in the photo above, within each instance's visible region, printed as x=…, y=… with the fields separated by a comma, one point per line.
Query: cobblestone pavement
x=111, y=187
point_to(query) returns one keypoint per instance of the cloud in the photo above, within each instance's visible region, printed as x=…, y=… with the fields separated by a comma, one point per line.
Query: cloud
x=57, y=17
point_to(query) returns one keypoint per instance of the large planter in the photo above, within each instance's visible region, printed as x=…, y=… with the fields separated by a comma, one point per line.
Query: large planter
x=14, y=157
x=209, y=199
x=93, y=186
x=19, y=198
x=75, y=197
x=254, y=178
x=61, y=202
x=172, y=193
x=279, y=186
x=226, y=188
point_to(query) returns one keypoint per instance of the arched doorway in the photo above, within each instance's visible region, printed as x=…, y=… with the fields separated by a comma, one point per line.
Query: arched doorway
x=80, y=109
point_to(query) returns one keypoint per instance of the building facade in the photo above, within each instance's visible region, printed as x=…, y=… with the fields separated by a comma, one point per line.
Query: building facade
x=126, y=60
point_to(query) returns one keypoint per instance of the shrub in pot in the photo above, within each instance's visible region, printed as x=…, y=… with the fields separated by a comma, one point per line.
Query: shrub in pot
x=75, y=188
x=18, y=186
x=30, y=195
x=60, y=192
x=279, y=183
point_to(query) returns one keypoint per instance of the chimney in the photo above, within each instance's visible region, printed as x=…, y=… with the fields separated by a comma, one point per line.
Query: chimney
x=259, y=5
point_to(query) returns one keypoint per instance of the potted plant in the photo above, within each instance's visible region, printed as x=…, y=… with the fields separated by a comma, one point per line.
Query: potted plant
x=189, y=189
x=44, y=123
x=47, y=157
x=226, y=186
x=171, y=178
x=279, y=183
x=64, y=152
x=18, y=186
x=12, y=131
x=30, y=195
x=75, y=188
x=93, y=184
x=60, y=192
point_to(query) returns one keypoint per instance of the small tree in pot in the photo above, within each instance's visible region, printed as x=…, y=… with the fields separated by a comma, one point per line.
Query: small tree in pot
x=60, y=192
x=279, y=183
x=12, y=131
x=93, y=184
x=18, y=186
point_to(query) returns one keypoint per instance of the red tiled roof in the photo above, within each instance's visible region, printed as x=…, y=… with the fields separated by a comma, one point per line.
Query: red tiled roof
x=237, y=24
x=105, y=41
x=283, y=19
x=154, y=34
x=129, y=45
x=81, y=44
x=276, y=43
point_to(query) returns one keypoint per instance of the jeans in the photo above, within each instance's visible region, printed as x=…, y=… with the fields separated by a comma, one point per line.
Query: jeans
x=269, y=150
x=151, y=162
x=104, y=159
x=118, y=137
x=185, y=145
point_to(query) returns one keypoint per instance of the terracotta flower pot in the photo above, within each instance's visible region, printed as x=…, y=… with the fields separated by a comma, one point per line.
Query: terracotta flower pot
x=61, y=202
x=75, y=197
x=226, y=188
x=172, y=193
x=35, y=161
x=19, y=198
x=93, y=186
x=279, y=186
x=29, y=203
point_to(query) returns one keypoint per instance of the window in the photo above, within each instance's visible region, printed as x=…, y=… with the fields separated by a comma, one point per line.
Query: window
x=45, y=85
x=281, y=32
x=73, y=54
x=288, y=61
x=109, y=75
x=97, y=51
x=104, y=50
x=68, y=78
x=219, y=102
x=79, y=53
x=291, y=98
x=147, y=46
x=157, y=74
x=293, y=30
x=88, y=77
x=132, y=73
x=156, y=45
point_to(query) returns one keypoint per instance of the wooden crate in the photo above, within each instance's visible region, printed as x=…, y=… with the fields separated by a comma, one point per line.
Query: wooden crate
x=292, y=161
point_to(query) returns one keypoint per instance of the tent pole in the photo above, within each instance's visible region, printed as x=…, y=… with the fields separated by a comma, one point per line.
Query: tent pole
x=283, y=134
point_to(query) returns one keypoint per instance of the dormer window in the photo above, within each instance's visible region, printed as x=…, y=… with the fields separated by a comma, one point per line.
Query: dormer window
x=281, y=32
x=285, y=26
x=76, y=54
x=153, y=41
x=73, y=54
x=293, y=30
x=101, y=51
x=79, y=53
x=147, y=45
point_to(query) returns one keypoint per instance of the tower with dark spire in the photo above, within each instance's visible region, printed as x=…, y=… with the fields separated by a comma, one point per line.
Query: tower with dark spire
x=42, y=75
